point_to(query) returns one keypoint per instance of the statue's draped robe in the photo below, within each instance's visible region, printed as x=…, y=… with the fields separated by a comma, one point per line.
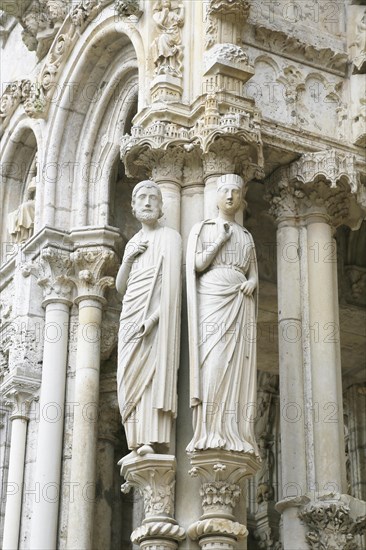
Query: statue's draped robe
x=165, y=46
x=222, y=335
x=147, y=365
x=21, y=221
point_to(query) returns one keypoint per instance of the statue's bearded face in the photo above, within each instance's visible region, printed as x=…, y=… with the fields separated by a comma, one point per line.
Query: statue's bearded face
x=229, y=198
x=147, y=205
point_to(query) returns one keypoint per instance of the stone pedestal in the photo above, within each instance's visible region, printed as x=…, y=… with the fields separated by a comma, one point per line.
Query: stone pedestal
x=221, y=473
x=166, y=88
x=154, y=476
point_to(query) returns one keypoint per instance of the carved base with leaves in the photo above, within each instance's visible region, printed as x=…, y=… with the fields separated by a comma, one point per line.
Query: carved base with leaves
x=221, y=473
x=154, y=476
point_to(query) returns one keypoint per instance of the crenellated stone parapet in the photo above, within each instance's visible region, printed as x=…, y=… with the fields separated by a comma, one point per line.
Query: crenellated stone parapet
x=154, y=476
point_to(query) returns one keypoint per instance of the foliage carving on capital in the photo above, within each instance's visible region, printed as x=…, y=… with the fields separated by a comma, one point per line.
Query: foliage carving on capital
x=157, y=488
x=321, y=182
x=331, y=526
x=19, y=390
x=55, y=269
x=157, y=163
x=221, y=473
x=90, y=265
x=153, y=475
x=219, y=495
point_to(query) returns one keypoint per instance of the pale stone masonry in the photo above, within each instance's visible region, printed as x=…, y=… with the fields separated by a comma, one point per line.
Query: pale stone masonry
x=96, y=96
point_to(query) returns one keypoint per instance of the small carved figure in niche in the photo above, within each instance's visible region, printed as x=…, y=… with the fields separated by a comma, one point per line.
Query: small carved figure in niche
x=167, y=47
x=359, y=57
x=265, y=491
x=221, y=285
x=21, y=220
x=149, y=280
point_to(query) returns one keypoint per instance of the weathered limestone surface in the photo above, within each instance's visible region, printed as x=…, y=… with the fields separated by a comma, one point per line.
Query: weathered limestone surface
x=97, y=95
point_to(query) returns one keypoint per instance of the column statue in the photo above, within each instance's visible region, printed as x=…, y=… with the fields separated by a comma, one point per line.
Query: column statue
x=222, y=279
x=149, y=280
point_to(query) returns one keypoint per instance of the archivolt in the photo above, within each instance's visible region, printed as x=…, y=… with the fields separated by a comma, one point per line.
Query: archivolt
x=96, y=90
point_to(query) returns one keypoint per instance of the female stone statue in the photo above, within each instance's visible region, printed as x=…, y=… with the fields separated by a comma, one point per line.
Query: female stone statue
x=148, y=342
x=221, y=283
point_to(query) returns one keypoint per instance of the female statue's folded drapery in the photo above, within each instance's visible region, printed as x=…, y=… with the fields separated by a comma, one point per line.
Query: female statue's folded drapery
x=222, y=329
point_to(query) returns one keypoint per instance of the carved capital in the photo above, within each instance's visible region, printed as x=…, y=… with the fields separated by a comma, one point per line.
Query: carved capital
x=154, y=476
x=152, y=157
x=331, y=525
x=169, y=166
x=233, y=155
x=19, y=390
x=54, y=275
x=318, y=184
x=91, y=265
x=221, y=473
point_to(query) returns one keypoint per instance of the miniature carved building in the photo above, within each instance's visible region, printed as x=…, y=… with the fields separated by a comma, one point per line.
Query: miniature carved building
x=97, y=95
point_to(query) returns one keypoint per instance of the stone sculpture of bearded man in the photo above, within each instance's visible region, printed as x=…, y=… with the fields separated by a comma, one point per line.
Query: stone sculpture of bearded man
x=149, y=280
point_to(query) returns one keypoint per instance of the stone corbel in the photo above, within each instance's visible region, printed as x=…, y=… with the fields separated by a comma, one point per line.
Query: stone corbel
x=221, y=474
x=154, y=476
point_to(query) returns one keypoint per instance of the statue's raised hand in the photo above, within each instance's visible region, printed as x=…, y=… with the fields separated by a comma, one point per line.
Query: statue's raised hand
x=225, y=231
x=136, y=249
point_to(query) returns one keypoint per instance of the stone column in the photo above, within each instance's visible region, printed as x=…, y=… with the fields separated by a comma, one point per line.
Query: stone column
x=154, y=476
x=90, y=264
x=167, y=173
x=19, y=392
x=309, y=198
x=187, y=508
x=293, y=360
x=57, y=288
x=109, y=422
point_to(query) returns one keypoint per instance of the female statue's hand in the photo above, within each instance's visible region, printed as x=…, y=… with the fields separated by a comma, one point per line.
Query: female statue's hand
x=225, y=232
x=248, y=288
